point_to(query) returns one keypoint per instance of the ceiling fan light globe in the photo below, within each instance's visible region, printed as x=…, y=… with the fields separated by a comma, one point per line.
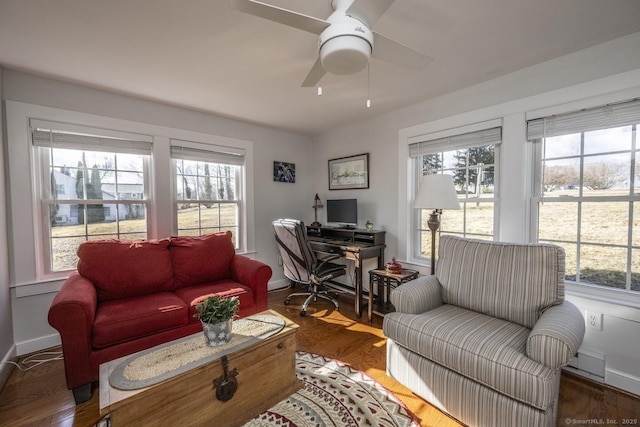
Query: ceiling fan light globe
x=345, y=55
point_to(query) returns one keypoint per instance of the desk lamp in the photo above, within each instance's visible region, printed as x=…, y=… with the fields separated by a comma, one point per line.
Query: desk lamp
x=436, y=192
x=317, y=203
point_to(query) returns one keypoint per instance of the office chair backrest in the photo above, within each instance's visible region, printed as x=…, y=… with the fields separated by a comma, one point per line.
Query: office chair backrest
x=297, y=257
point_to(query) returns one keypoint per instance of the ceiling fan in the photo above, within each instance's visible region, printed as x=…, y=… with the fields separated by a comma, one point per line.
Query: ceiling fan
x=346, y=43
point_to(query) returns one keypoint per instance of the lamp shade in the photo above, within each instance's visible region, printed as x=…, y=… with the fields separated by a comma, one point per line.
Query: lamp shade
x=437, y=192
x=317, y=203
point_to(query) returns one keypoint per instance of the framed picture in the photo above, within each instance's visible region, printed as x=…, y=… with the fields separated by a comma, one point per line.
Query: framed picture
x=347, y=173
x=284, y=172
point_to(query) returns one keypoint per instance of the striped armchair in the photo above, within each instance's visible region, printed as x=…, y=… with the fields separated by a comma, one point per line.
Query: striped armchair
x=485, y=338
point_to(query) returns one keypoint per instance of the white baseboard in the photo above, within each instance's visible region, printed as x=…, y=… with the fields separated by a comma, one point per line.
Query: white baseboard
x=7, y=368
x=623, y=381
x=38, y=344
x=276, y=285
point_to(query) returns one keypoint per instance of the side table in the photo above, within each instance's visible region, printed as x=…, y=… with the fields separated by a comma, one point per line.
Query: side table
x=385, y=281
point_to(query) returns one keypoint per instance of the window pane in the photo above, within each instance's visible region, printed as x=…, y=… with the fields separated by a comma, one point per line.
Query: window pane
x=636, y=227
x=130, y=186
x=431, y=163
x=451, y=159
x=63, y=252
x=607, y=140
x=561, y=177
x=479, y=221
x=607, y=172
x=635, y=270
x=229, y=215
x=558, y=222
x=570, y=260
x=601, y=265
x=562, y=146
x=606, y=222
x=130, y=162
x=210, y=215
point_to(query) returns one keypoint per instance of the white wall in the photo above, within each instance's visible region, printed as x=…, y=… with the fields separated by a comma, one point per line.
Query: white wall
x=600, y=74
x=30, y=302
x=7, y=347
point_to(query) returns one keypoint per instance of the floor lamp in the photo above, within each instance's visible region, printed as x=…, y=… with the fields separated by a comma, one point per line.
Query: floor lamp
x=436, y=192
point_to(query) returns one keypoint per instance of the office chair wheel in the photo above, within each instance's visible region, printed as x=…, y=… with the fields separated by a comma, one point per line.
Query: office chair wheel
x=287, y=302
x=303, y=313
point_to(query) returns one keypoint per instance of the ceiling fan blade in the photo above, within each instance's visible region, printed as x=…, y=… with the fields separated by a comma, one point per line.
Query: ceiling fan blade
x=368, y=11
x=280, y=15
x=314, y=76
x=391, y=51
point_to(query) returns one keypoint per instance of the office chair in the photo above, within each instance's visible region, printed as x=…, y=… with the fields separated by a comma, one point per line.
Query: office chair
x=301, y=265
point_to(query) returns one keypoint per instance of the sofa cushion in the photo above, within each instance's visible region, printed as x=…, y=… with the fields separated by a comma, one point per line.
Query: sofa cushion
x=193, y=295
x=514, y=282
x=486, y=349
x=130, y=318
x=122, y=269
x=198, y=260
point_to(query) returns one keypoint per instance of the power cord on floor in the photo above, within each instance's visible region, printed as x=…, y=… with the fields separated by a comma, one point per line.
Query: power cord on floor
x=31, y=362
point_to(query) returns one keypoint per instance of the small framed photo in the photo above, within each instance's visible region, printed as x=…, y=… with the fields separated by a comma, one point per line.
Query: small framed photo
x=284, y=172
x=346, y=173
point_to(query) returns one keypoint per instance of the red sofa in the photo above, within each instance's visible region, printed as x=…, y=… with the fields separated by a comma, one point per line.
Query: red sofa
x=127, y=296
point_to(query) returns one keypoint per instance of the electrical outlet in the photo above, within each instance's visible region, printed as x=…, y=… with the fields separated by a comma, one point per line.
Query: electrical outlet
x=594, y=320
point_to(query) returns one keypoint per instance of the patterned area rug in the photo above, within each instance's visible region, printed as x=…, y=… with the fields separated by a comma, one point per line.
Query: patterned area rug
x=335, y=394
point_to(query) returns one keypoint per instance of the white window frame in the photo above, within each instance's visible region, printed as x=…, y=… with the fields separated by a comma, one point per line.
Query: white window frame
x=42, y=183
x=591, y=118
x=409, y=218
x=212, y=154
x=27, y=275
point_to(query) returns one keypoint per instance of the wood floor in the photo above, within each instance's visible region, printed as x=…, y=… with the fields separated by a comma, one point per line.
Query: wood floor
x=39, y=396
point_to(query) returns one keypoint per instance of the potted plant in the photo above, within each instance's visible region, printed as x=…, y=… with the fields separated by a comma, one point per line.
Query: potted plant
x=216, y=315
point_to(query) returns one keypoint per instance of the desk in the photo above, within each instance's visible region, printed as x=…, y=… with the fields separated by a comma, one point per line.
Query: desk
x=385, y=280
x=353, y=244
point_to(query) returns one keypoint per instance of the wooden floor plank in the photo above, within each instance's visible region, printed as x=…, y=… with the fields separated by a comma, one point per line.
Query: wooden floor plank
x=39, y=396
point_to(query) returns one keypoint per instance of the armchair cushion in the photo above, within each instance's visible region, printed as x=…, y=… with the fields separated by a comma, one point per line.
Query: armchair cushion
x=511, y=281
x=124, y=269
x=486, y=349
x=203, y=259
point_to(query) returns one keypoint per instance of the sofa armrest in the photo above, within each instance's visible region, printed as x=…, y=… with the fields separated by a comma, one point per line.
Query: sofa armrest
x=254, y=274
x=556, y=336
x=417, y=296
x=72, y=313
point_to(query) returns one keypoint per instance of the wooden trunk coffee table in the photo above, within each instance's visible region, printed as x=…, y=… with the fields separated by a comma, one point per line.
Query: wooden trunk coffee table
x=265, y=376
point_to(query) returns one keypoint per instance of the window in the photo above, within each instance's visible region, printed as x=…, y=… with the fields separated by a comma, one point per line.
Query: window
x=587, y=192
x=85, y=178
x=208, y=191
x=471, y=158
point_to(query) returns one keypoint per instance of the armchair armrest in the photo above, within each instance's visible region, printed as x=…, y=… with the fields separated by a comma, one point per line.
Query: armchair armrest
x=556, y=336
x=417, y=296
x=254, y=274
x=72, y=313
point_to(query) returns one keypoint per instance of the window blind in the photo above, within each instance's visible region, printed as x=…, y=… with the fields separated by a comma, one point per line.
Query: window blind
x=210, y=154
x=60, y=135
x=603, y=117
x=457, y=142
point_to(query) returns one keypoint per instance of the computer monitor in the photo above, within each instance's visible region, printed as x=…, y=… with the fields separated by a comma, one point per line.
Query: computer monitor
x=343, y=212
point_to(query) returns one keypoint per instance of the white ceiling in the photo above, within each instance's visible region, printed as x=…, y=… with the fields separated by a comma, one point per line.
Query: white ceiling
x=201, y=55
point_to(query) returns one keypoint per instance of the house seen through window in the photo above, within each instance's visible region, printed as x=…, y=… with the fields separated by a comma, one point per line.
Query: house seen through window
x=92, y=187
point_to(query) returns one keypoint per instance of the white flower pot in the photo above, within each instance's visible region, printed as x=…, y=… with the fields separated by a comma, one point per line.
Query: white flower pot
x=217, y=334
